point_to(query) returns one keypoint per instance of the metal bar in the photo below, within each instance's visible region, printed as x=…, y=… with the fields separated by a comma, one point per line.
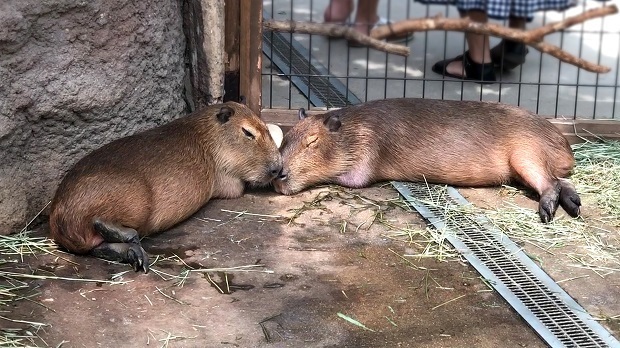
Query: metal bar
x=321, y=88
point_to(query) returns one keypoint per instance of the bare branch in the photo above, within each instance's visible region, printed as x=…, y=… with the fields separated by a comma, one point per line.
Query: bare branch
x=564, y=56
x=530, y=37
x=335, y=30
x=570, y=21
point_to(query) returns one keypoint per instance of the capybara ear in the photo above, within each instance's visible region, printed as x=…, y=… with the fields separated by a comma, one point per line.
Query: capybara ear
x=310, y=140
x=301, y=113
x=242, y=100
x=276, y=133
x=332, y=123
x=225, y=113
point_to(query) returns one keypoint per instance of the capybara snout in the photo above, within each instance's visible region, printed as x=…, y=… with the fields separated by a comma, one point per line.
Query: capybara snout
x=250, y=151
x=150, y=181
x=461, y=143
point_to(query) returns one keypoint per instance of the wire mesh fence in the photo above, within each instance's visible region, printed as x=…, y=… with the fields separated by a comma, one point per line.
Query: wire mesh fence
x=301, y=70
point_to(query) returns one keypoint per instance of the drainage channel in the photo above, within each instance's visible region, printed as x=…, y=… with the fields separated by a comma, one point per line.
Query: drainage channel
x=548, y=309
x=311, y=79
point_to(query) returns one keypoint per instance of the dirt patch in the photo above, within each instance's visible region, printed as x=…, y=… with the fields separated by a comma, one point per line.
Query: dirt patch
x=303, y=260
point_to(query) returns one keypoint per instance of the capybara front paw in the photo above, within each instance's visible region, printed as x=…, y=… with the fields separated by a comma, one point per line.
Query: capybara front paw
x=137, y=258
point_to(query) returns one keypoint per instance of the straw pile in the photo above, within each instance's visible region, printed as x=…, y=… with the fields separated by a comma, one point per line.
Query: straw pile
x=13, y=288
x=593, y=241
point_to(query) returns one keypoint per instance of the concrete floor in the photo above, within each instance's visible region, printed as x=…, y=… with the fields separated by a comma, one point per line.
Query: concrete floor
x=548, y=86
x=543, y=85
x=318, y=266
x=322, y=252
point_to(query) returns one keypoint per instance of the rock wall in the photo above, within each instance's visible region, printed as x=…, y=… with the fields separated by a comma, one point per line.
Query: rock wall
x=74, y=75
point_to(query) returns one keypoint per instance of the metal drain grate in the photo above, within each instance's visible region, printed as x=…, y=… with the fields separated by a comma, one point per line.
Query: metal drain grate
x=312, y=80
x=551, y=312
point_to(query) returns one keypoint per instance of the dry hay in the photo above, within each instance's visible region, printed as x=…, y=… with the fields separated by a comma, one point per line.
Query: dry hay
x=590, y=242
x=13, y=287
x=597, y=176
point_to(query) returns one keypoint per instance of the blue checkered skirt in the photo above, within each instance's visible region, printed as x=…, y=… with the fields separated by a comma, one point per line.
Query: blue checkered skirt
x=502, y=9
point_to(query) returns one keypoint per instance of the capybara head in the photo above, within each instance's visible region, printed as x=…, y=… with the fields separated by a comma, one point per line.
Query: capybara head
x=313, y=143
x=246, y=149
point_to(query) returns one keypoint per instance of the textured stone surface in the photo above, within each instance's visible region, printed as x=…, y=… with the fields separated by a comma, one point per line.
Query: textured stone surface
x=74, y=75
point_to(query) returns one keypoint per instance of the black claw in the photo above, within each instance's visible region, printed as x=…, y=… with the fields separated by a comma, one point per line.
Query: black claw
x=137, y=257
x=546, y=210
x=544, y=216
x=571, y=204
x=131, y=253
x=145, y=261
x=569, y=199
x=548, y=202
x=121, y=244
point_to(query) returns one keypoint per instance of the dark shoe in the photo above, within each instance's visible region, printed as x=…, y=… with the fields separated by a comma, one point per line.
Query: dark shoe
x=508, y=55
x=476, y=72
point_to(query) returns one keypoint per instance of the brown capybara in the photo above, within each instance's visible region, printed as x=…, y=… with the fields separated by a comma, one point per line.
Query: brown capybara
x=461, y=143
x=150, y=181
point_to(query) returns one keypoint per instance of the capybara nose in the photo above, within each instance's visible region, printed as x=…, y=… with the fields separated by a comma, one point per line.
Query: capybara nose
x=282, y=175
x=275, y=170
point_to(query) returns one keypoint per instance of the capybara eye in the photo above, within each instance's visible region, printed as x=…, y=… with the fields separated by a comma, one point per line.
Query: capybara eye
x=248, y=134
x=311, y=140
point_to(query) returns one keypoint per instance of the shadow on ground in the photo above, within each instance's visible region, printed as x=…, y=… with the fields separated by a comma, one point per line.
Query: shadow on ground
x=324, y=252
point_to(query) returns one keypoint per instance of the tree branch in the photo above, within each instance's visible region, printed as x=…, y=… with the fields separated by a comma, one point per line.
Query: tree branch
x=334, y=30
x=532, y=37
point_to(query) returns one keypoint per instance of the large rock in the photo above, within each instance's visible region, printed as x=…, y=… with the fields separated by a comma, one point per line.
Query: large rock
x=74, y=75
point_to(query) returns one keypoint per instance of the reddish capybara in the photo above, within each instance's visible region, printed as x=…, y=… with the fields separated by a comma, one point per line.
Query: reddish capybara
x=461, y=143
x=150, y=181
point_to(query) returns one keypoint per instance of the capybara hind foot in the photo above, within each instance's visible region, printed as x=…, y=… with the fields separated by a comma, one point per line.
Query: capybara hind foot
x=569, y=198
x=130, y=253
x=113, y=233
x=548, y=203
x=121, y=244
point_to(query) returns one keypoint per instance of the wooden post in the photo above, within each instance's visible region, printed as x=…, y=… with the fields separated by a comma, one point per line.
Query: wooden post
x=203, y=21
x=251, y=53
x=231, y=47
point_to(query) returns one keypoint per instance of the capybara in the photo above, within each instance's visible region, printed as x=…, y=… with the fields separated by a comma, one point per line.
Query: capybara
x=461, y=143
x=150, y=181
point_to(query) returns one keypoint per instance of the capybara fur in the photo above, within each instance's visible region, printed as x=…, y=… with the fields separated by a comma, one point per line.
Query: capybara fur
x=461, y=143
x=150, y=181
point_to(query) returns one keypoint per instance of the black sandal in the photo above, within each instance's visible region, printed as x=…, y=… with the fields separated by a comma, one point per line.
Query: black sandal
x=508, y=55
x=476, y=72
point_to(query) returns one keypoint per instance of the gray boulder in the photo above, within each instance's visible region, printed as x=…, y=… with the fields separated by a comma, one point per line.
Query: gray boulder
x=75, y=75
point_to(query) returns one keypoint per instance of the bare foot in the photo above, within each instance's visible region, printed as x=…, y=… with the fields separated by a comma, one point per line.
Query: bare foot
x=338, y=11
x=456, y=68
x=364, y=26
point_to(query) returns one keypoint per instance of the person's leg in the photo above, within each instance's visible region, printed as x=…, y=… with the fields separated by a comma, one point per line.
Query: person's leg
x=475, y=64
x=517, y=23
x=509, y=54
x=338, y=11
x=478, y=46
x=366, y=15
